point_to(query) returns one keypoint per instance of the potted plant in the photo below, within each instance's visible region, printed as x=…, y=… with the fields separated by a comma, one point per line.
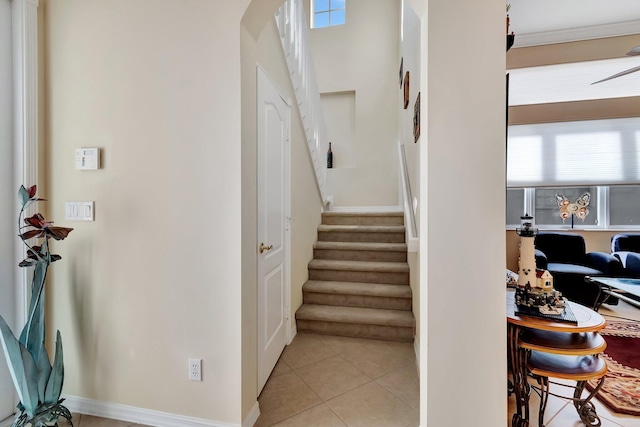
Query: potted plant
x=38, y=383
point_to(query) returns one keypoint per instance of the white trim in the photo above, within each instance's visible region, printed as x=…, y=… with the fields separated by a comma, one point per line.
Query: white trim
x=416, y=349
x=293, y=332
x=576, y=34
x=356, y=209
x=24, y=14
x=132, y=414
x=252, y=417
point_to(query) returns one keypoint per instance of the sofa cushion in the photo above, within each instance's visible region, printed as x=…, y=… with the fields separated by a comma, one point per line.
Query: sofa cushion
x=562, y=247
x=556, y=267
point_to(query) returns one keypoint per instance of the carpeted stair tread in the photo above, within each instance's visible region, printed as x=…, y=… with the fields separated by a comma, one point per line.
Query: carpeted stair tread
x=356, y=288
x=361, y=228
x=361, y=246
x=343, y=265
x=365, y=214
x=355, y=315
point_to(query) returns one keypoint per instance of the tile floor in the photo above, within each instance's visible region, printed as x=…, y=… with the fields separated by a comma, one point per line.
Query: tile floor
x=81, y=420
x=336, y=381
x=325, y=381
x=561, y=413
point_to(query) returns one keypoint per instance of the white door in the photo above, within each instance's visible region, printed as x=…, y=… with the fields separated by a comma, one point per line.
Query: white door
x=8, y=196
x=273, y=130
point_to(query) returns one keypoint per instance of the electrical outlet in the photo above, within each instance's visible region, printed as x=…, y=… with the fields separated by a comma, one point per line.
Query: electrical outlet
x=195, y=369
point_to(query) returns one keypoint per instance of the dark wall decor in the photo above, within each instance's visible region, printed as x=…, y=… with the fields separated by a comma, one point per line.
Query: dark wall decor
x=406, y=90
x=400, y=74
x=416, y=119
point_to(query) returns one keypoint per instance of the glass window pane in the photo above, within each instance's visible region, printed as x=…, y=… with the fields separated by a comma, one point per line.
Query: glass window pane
x=515, y=206
x=337, y=4
x=337, y=17
x=548, y=212
x=321, y=20
x=624, y=203
x=320, y=5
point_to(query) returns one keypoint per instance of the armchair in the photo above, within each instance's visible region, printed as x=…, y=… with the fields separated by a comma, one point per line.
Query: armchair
x=626, y=247
x=566, y=258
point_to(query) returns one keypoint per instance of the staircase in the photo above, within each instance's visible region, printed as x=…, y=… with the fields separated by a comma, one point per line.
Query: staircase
x=359, y=279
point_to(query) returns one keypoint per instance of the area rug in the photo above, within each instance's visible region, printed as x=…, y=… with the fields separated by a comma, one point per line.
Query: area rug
x=621, y=389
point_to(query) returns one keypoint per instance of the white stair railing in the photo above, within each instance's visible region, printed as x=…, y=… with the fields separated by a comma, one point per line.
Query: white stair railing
x=294, y=35
x=407, y=197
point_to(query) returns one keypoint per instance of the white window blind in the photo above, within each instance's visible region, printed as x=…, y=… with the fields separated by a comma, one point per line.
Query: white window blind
x=581, y=153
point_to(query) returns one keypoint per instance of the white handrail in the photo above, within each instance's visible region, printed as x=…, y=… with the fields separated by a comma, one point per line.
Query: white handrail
x=407, y=196
x=294, y=37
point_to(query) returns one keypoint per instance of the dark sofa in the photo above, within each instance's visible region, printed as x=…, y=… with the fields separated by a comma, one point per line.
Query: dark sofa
x=566, y=258
x=626, y=247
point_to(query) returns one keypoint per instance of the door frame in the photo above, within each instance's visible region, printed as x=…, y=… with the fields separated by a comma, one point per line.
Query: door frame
x=289, y=330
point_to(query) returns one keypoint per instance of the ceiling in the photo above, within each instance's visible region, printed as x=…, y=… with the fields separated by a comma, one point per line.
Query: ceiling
x=552, y=21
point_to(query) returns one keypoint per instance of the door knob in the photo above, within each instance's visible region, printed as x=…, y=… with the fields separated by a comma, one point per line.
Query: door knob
x=265, y=248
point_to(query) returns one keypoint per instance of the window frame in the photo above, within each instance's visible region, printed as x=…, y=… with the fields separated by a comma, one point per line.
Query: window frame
x=329, y=11
x=602, y=209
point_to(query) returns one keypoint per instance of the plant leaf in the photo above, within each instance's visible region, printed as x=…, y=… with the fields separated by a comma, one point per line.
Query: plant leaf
x=32, y=233
x=23, y=196
x=44, y=372
x=58, y=233
x=56, y=380
x=22, y=368
x=32, y=336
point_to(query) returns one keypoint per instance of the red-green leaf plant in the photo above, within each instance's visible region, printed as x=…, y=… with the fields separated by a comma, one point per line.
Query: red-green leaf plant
x=38, y=383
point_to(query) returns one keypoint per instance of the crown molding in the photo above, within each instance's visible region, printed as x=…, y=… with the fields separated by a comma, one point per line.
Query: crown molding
x=577, y=34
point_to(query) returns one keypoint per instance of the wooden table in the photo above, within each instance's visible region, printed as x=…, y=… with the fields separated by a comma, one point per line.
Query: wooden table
x=548, y=348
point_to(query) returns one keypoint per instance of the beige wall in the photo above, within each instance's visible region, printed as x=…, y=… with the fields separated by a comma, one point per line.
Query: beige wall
x=156, y=278
x=363, y=56
x=306, y=204
x=462, y=245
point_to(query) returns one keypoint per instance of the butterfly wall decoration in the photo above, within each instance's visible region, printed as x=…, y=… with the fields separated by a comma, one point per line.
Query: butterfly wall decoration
x=577, y=208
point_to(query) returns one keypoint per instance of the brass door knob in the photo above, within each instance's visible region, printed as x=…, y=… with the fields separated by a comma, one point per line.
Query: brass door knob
x=265, y=248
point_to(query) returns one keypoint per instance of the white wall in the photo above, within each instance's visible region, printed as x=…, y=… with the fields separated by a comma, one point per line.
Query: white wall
x=462, y=245
x=8, y=195
x=362, y=56
x=156, y=278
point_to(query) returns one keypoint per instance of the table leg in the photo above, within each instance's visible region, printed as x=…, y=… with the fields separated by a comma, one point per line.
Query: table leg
x=518, y=363
x=586, y=409
x=544, y=397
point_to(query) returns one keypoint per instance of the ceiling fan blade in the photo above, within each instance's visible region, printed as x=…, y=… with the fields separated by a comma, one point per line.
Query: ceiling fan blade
x=634, y=51
x=623, y=73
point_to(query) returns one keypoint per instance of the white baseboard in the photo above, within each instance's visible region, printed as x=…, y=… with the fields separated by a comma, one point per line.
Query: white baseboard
x=251, y=419
x=366, y=209
x=142, y=416
x=292, y=334
x=7, y=421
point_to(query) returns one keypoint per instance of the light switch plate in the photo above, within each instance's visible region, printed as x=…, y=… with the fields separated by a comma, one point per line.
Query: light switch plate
x=79, y=211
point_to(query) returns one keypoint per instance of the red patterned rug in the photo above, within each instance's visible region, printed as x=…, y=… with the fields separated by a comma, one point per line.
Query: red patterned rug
x=621, y=389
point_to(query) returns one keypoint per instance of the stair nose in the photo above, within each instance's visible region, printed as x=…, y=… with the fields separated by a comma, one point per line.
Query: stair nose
x=394, y=273
x=363, y=218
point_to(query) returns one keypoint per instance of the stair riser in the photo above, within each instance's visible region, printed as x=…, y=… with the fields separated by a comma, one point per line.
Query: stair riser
x=365, y=301
x=359, y=276
x=355, y=255
x=376, y=332
x=362, y=220
x=341, y=236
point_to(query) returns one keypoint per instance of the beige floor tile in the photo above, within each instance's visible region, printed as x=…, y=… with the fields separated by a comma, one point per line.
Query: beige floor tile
x=318, y=416
x=332, y=376
x=371, y=405
x=568, y=417
x=91, y=421
x=404, y=383
x=284, y=396
x=310, y=348
x=377, y=358
x=280, y=368
x=554, y=405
